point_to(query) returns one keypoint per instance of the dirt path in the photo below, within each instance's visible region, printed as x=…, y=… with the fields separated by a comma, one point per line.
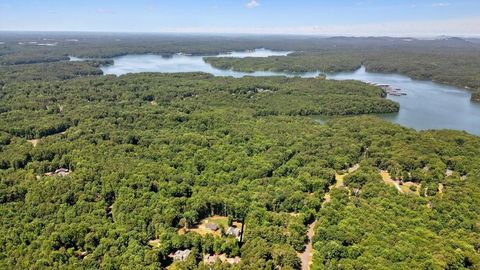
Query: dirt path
x=307, y=255
x=339, y=182
x=398, y=187
x=34, y=142
x=388, y=179
x=354, y=168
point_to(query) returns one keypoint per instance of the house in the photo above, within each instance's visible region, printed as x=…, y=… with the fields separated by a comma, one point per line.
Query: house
x=59, y=172
x=212, y=226
x=261, y=90
x=181, y=255
x=62, y=172
x=210, y=259
x=235, y=260
x=232, y=231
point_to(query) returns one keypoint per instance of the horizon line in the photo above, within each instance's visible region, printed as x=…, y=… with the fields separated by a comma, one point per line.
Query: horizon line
x=245, y=33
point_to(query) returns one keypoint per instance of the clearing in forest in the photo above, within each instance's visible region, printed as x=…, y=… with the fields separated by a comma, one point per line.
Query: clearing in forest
x=339, y=181
x=408, y=186
x=440, y=189
x=34, y=142
x=388, y=180
x=204, y=227
x=405, y=187
x=154, y=243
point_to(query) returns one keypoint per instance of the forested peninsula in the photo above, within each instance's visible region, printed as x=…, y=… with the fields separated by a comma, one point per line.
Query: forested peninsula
x=447, y=66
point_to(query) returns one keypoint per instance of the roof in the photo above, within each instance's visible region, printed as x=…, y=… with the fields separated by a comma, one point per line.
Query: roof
x=211, y=259
x=234, y=260
x=233, y=231
x=58, y=172
x=211, y=226
x=62, y=172
x=181, y=254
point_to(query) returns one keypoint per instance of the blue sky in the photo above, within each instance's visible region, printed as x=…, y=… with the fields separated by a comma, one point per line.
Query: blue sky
x=347, y=17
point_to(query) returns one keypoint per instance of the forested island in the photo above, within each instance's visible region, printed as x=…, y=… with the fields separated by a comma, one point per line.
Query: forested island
x=192, y=171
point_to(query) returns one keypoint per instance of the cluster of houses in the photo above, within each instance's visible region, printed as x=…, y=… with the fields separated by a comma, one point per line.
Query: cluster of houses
x=59, y=172
x=231, y=231
x=182, y=255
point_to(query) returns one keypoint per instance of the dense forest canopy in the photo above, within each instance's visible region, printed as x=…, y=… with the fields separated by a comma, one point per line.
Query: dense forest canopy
x=122, y=172
x=51, y=71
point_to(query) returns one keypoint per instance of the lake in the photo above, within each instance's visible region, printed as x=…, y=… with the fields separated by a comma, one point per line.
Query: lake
x=187, y=63
x=427, y=105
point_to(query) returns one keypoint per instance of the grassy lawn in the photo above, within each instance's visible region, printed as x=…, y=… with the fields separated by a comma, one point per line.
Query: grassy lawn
x=220, y=221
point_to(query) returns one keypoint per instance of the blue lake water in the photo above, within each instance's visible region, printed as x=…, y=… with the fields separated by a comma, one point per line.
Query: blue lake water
x=427, y=105
x=187, y=63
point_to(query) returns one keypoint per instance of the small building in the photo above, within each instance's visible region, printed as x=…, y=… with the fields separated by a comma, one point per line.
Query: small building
x=232, y=231
x=211, y=259
x=62, y=172
x=261, y=90
x=59, y=172
x=235, y=260
x=212, y=226
x=181, y=255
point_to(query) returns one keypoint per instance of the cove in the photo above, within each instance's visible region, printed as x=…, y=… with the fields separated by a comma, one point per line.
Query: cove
x=427, y=105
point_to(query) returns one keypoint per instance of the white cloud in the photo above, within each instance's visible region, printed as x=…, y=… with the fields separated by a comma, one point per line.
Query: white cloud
x=252, y=4
x=440, y=4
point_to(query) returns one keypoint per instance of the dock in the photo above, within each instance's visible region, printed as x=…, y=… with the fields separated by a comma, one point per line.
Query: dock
x=389, y=89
